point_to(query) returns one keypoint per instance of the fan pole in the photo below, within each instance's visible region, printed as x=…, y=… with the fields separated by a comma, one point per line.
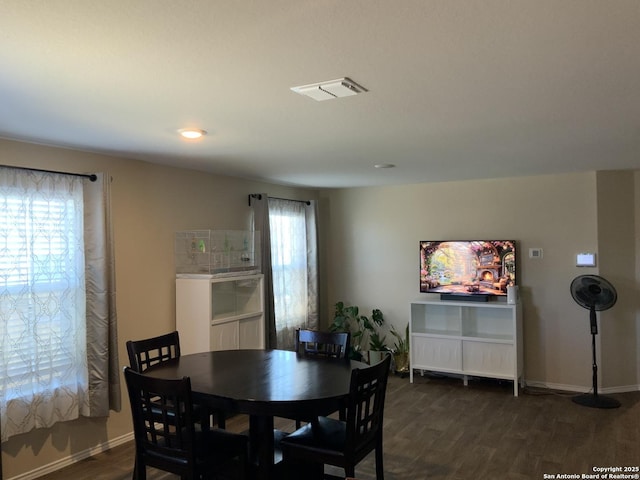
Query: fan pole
x=595, y=400
x=594, y=328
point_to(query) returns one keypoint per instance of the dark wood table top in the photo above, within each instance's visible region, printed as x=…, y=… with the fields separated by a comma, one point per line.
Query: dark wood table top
x=263, y=384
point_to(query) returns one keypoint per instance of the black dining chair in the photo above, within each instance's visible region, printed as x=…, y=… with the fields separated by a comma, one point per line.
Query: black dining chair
x=166, y=436
x=314, y=343
x=155, y=350
x=320, y=344
x=152, y=351
x=344, y=443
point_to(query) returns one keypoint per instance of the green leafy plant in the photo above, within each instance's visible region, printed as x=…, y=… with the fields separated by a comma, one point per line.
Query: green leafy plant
x=377, y=343
x=364, y=330
x=401, y=351
x=401, y=344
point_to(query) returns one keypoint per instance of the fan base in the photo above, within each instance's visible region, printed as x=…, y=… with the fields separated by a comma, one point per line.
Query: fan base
x=596, y=401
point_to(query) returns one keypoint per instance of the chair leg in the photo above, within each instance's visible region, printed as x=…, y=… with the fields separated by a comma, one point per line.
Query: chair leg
x=205, y=419
x=139, y=472
x=212, y=417
x=379, y=464
x=342, y=414
x=221, y=420
x=350, y=471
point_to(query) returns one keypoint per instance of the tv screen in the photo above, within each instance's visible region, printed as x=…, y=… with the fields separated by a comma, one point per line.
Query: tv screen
x=467, y=267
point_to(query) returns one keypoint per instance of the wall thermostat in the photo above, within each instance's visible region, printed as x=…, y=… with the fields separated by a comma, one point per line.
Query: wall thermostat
x=586, y=260
x=535, y=253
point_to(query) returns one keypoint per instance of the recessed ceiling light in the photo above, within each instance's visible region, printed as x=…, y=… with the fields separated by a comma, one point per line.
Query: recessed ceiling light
x=385, y=165
x=192, y=133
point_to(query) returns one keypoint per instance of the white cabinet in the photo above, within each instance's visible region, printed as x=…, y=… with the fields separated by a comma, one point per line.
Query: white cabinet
x=220, y=313
x=468, y=338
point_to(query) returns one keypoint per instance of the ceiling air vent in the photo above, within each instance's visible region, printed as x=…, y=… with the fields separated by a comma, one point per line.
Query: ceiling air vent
x=342, y=87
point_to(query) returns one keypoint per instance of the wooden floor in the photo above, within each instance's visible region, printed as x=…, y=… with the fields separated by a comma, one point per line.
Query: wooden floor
x=436, y=428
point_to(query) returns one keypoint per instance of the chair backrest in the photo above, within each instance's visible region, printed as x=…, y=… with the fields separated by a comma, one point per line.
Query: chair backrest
x=151, y=351
x=326, y=344
x=162, y=422
x=365, y=407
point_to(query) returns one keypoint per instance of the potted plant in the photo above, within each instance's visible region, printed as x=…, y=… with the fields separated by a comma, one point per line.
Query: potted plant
x=363, y=329
x=377, y=347
x=401, y=350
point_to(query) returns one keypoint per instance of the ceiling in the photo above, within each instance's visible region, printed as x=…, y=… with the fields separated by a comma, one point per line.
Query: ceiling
x=456, y=89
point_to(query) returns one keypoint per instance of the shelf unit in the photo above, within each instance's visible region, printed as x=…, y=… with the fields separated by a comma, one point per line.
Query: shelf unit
x=220, y=313
x=467, y=338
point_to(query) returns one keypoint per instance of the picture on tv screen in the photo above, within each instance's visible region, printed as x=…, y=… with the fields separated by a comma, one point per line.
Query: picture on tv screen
x=468, y=267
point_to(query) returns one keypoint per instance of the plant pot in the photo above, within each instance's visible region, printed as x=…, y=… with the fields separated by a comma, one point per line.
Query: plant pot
x=376, y=356
x=401, y=360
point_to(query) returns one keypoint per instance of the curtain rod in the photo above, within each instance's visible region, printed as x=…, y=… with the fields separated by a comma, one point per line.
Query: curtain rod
x=259, y=197
x=91, y=176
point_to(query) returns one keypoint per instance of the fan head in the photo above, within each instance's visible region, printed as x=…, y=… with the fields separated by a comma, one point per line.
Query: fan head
x=593, y=292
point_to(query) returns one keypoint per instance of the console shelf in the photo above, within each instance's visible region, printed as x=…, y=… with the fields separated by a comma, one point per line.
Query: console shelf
x=220, y=313
x=467, y=338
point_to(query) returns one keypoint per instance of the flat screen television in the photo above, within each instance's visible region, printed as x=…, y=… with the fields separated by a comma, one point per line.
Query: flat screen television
x=483, y=268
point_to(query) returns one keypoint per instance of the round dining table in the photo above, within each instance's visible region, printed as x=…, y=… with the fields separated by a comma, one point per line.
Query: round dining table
x=263, y=384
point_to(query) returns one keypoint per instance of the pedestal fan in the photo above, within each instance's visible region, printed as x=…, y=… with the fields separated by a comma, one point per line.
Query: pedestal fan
x=595, y=294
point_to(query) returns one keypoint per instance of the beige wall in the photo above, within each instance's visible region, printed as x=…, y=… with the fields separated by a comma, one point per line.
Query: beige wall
x=637, y=269
x=149, y=204
x=371, y=244
x=618, y=333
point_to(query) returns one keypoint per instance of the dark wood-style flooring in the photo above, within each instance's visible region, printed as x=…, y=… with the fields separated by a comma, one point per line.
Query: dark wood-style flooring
x=438, y=429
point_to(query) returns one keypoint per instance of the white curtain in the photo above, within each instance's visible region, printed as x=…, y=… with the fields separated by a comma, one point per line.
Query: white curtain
x=44, y=373
x=294, y=267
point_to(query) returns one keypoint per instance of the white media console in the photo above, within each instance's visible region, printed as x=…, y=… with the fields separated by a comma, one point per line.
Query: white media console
x=482, y=339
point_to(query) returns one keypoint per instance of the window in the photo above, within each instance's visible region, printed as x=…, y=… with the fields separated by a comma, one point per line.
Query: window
x=43, y=367
x=293, y=250
x=289, y=267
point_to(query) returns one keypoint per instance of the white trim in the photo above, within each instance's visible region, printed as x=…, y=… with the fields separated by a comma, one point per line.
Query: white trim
x=557, y=386
x=582, y=389
x=71, y=459
x=620, y=389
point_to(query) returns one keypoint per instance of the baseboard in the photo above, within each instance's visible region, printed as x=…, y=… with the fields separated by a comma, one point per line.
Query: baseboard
x=76, y=457
x=580, y=388
x=560, y=387
x=622, y=389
